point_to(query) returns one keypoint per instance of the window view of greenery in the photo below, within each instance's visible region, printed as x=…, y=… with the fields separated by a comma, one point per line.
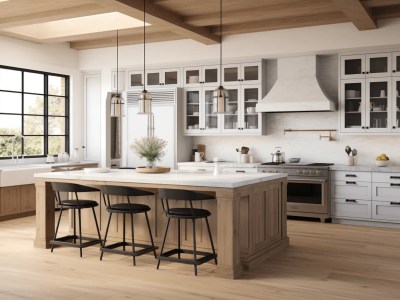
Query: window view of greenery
x=33, y=113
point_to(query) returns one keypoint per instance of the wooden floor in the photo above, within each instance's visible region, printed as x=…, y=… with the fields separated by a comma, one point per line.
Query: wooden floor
x=324, y=261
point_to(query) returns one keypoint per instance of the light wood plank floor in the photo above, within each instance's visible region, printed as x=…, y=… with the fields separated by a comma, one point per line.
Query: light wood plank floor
x=324, y=261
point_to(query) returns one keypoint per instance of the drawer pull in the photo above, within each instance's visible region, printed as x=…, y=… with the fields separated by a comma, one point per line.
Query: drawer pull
x=201, y=170
x=395, y=184
x=351, y=201
x=240, y=171
x=394, y=177
x=394, y=203
x=351, y=175
x=351, y=182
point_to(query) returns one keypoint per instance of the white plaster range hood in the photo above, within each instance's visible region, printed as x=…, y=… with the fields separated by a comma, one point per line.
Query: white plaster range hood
x=297, y=88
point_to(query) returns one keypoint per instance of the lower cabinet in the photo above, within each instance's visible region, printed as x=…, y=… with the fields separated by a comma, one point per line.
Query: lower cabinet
x=17, y=201
x=351, y=208
x=386, y=210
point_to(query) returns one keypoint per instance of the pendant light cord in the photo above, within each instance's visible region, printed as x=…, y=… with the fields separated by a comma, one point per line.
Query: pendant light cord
x=220, y=43
x=117, y=66
x=144, y=45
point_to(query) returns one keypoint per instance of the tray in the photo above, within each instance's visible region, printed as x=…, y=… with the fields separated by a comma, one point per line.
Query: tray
x=153, y=170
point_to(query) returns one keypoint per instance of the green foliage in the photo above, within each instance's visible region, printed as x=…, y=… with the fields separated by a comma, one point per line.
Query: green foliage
x=151, y=148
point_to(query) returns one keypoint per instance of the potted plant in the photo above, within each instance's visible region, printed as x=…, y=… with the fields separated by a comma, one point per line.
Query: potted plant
x=151, y=148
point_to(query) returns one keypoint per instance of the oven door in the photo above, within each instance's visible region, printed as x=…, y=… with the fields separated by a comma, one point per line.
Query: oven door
x=308, y=195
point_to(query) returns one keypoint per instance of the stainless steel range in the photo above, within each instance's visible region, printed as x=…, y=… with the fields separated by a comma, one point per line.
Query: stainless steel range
x=308, y=188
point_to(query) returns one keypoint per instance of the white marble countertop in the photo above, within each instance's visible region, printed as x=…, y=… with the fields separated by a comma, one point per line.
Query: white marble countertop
x=22, y=166
x=226, y=164
x=224, y=180
x=365, y=168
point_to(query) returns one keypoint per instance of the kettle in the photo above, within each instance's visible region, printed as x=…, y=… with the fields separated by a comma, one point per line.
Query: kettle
x=278, y=156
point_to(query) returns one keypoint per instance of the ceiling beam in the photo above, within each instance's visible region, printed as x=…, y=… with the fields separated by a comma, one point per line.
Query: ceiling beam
x=278, y=24
x=387, y=12
x=377, y=3
x=357, y=13
x=266, y=12
x=124, y=40
x=163, y=17
x=52, y=15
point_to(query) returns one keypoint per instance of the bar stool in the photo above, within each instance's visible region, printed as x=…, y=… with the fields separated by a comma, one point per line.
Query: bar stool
x=77, y=204
x=189, y=213
x=126, y=208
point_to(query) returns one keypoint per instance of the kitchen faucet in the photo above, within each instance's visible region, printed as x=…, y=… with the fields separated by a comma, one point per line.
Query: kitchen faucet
x=14, y=138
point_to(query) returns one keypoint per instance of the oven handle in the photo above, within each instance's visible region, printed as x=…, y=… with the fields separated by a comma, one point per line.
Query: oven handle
x=308, y=180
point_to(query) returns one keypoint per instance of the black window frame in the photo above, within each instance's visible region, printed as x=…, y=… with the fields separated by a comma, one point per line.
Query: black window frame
x=46, y=115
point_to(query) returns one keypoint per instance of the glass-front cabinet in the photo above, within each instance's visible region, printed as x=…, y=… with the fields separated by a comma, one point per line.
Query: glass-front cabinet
x=135, y=79
x=396, y=105
x=201, y=75
x=378, y=105
x=365, y=65
x=396, y=64
x=163, y=77
x=353, y=105
x=241, y=73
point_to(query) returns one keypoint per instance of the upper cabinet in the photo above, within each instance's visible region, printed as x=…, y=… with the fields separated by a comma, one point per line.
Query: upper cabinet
x=120, y=80
x=396, y=64
x=365, y=65
x=163, y=77
x=135, y=79
x=201, y=75
x=241, y=73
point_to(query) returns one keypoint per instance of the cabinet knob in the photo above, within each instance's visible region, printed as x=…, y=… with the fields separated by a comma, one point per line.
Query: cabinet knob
x=367, y=72
x=394, y=71
x=394, y=127
x=367, y=127
x=362, y=72
x=362, y=127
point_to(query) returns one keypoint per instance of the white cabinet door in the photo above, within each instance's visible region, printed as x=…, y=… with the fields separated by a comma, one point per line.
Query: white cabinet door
x=378, y=105
x=378, y=64
x=352, y=105
x=351, y=189
x=396, y=103
x=135, y=79
x=396, y=64
x=92, y=135
x=386, y=191
x=351, y=208
x=386, y=211
x=352, y=66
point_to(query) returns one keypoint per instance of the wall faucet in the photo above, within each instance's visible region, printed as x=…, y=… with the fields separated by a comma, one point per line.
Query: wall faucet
x=14, y=139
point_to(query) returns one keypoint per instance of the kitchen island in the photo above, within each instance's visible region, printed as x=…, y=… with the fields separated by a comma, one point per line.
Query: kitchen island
x=248, y=220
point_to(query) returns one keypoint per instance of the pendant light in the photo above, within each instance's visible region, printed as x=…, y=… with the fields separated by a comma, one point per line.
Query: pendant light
x=145, y=96
x=117, y=102
x=220, y=95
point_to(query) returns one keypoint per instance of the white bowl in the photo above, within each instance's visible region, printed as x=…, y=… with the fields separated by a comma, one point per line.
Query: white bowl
x=382, y=163
x=294, y=160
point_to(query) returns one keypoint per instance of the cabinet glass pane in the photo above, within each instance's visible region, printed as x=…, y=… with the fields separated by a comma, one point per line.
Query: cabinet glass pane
x=153, y=78
x=192, y=76
x=397, y=58
x=378, y=92
x=211, y=118
x=250, y=114
x=171, y=77
x=210, y=75
x=192, y=109
x=352, y=105
x=251, y=73
x=352, y=66
x=398, y=104
x=231, y=74
x=136, y=80
x=232, y=109
x=378, y=65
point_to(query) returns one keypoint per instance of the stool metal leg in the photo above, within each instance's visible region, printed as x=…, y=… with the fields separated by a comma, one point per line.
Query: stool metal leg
x=80, y=231
x=211, y=240
x=133, y=240
x=162, y=247
x=151, y=235
x=123, y=231
x=97, y=224
x=58, y=225
x=105, y=237
x=74, y=225
x=194, y=247
x=179, y=238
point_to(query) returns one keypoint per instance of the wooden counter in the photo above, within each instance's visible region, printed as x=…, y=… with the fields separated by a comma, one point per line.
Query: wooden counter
x=248, y=220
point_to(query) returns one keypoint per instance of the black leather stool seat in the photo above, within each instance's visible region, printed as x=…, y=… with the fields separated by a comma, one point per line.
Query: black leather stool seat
x=186, y=213
x=74, y=205
x=126, y=208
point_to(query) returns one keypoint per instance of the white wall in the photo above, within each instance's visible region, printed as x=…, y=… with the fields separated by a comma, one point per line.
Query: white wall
x=57, y=58
x=319, y=40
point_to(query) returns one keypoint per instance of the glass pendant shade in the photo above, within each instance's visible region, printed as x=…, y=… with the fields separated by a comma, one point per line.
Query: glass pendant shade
x=220, y=99
x=145, y=102
x=117, y=106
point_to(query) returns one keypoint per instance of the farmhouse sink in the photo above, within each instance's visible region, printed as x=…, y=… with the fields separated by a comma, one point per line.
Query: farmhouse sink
x=21, y=174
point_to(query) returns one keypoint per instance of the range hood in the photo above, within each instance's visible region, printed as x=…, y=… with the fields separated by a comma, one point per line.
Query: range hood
x=297, y=88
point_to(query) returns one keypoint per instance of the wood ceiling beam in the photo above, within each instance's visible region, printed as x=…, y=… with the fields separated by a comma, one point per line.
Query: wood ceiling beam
x=52, y=15
x=267, y=12
x=378, y=3
x=357, y=13
x=387, y=12
x=163, y=17
x=124, y=40
x=278, y=24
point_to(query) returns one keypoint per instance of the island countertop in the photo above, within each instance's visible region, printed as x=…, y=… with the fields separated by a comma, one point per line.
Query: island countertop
x=223, y=180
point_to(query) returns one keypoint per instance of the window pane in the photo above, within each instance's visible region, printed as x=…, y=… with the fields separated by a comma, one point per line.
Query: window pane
x=56, y=85
x=34, y=145
x=10, y=80
x=57, y=106
x=10, y=125
x=33, y=83
x=33, y=104
x=56, y=125
x=33, y=125
x=6, y=146
x=56, y=144
x=10, y=103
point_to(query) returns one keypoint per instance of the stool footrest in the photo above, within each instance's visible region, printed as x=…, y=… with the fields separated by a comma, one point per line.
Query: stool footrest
x=112, y=249
x=207, y=256
x=68, y=241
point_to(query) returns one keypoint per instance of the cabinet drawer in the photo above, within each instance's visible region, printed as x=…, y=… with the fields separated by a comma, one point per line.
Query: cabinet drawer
x=386, y=177
x=351, y=176
x=386, y=191
x=386, y=210
x=351, y=208
x=239, y=170
x=351, y=189
x=196, y=169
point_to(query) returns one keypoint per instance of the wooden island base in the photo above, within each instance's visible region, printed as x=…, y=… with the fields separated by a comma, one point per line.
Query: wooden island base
x=248, y=223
